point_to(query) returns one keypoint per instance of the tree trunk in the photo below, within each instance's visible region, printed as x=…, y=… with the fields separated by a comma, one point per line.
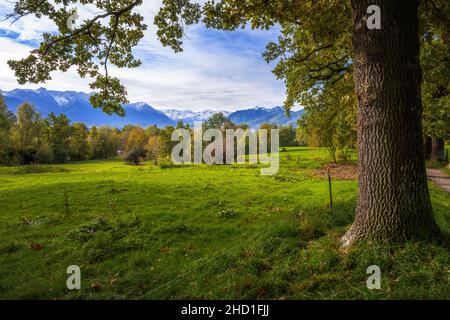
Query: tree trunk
x=437, y=149
x=393, y=200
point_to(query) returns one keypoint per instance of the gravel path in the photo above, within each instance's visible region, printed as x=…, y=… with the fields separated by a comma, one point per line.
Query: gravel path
x=439, y=178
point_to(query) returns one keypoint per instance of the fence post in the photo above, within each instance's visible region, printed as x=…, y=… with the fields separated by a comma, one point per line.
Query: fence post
x=329, y=188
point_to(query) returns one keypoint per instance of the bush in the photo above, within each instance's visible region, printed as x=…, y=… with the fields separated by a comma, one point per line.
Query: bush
x=135, y=156
x=28, y=155
x=341, y=156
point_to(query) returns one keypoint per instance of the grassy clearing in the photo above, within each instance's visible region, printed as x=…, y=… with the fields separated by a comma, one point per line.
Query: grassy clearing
x=167, y=232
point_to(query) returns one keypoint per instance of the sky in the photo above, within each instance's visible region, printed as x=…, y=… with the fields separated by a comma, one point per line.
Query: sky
x=217, y=70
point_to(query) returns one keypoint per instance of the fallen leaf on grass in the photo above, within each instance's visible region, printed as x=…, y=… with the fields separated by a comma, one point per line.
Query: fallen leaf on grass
x=25, y=220
x=96, y=286
x=113, y=279
x=36, y=246
x=164, y=250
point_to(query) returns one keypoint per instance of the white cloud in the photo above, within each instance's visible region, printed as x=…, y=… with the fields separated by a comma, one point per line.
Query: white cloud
x=209, y=74
x=60, y=81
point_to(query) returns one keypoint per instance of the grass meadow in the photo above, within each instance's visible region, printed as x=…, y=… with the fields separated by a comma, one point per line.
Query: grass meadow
x=201, y=232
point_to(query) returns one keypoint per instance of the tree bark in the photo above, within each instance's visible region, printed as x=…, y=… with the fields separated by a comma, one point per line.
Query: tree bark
x=393, y=201
x=437, y=149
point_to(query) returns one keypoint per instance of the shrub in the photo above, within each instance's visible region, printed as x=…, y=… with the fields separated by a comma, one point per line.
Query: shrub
x=152, y=149
x=135, y=156
x=341, y=156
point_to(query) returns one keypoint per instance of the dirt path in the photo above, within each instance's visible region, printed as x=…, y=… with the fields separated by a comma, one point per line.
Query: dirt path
x=439, y=178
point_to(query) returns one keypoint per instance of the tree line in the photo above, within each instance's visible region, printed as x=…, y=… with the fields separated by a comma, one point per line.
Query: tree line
x=28, y=138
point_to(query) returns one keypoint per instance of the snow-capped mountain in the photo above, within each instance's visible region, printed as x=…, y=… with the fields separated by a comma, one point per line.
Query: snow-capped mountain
x=190, y=117
x=77, y=107
x=256, y=116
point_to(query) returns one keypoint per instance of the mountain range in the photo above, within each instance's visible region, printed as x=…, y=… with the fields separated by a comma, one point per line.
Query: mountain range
x=78, y=109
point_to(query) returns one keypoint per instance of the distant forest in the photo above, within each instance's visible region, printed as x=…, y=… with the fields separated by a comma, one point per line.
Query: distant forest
x=28, y=138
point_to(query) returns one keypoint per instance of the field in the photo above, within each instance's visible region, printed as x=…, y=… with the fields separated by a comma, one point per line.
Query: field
x=223, y=232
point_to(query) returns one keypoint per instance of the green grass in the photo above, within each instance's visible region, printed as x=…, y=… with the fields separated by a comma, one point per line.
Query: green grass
x=223, y=232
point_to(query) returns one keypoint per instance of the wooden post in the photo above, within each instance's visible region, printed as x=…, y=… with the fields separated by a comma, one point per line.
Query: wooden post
x=329, y=188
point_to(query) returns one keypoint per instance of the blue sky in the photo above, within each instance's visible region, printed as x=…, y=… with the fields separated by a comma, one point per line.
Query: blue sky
x=217, y=70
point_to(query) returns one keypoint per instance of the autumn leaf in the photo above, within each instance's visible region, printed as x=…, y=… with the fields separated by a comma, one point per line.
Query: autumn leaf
x=36, y=246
